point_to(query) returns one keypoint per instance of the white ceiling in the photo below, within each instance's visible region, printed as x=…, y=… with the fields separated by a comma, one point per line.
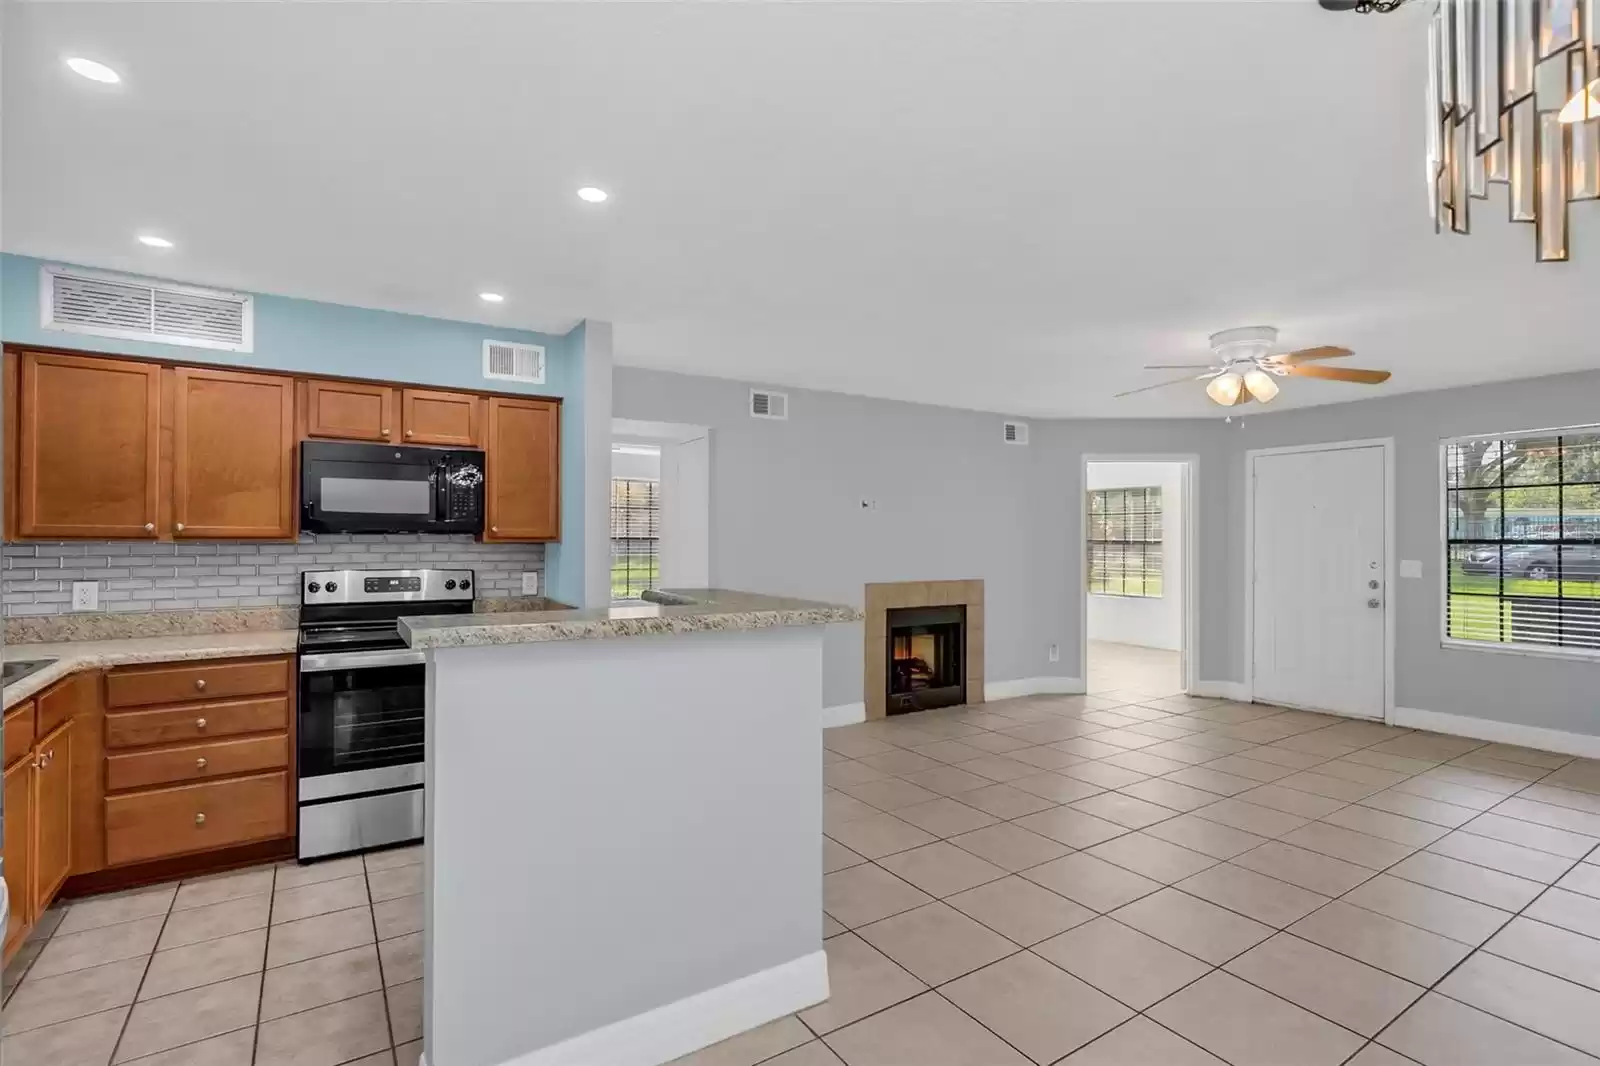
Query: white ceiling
x=1006, y=207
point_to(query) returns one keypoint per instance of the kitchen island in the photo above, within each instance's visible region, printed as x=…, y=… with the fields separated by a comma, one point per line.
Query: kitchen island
x=624, y=825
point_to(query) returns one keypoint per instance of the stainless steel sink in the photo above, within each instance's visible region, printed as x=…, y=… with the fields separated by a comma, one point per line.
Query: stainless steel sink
x=17, y=669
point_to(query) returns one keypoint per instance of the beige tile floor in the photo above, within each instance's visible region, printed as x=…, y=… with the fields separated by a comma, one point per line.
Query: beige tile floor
x=315, y=966
x=1133, y=877
x=1123, y=878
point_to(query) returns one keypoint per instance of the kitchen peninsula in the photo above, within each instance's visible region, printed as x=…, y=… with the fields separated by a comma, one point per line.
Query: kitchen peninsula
x=624, y=809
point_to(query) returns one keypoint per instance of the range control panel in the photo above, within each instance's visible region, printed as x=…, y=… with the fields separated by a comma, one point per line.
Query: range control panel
x=385, y=586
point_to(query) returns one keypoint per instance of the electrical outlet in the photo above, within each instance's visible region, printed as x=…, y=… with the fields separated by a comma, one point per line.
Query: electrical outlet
x=86, y=595
x=530, y=583
x=1055, y=653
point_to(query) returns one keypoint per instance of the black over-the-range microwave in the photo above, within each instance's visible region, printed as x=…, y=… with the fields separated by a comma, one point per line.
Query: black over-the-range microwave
x=383, y=488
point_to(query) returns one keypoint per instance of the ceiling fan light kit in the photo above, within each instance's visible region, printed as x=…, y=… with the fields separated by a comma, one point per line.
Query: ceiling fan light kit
x=1245, y=367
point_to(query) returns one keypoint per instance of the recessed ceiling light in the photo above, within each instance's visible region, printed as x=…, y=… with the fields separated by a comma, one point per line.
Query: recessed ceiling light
x=88, y=68
x=153, y=241
x=592, y=195
x=491, y=297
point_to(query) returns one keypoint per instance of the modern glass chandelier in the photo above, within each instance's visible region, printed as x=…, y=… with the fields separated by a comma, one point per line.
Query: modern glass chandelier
x=1514, y=98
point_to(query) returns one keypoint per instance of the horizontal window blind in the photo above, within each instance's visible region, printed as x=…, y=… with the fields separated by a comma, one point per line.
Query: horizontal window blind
x=1125, y=541
x=635, y=536
x=1522, y=539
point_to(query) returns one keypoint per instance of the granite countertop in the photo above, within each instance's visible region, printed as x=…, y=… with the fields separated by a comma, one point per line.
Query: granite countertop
x=674, y=611
x=72, y=656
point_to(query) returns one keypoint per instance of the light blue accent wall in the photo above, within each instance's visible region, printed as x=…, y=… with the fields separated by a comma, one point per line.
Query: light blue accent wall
x=311, y=337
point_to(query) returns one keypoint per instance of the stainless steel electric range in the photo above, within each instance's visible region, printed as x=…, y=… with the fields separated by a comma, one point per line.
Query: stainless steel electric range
x=361, y=704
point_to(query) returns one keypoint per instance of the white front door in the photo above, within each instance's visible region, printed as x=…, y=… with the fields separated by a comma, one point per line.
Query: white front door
x=1318, y=546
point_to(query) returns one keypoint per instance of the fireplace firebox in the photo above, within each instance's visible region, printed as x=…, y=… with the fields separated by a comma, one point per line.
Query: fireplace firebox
x=927, y=658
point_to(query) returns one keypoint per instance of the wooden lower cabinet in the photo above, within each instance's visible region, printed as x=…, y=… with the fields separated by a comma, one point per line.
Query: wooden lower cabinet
x=52, y=815
x=162, y=822
x=19, y=851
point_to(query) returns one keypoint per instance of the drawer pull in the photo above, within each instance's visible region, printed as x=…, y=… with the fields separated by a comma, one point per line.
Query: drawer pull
x=200, y=819
x=199, y=723
x=149, y=527
x=200, y=683
x=200, y=763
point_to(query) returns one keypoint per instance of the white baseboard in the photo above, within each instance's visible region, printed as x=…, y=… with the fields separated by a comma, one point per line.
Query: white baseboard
x=844, y=714
x=1221, y=690
x=669, y=1032
x=1586, y=745
x=1032, y=686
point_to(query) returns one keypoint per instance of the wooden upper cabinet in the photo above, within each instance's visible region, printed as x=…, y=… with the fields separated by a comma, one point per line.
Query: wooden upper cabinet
x=88, y=447
x=19, y=816
x=52, y=811
x=351, y=410
x=233, y=455
x=524, y=475
x=431, y=417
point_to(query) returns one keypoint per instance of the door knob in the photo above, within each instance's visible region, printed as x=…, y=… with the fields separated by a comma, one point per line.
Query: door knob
x=1374, y=602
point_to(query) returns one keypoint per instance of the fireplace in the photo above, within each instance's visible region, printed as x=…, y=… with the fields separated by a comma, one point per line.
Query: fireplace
x=926, y=649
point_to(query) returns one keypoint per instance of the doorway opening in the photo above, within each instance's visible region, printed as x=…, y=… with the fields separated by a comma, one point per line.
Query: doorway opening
x=660, y=529
x=1136, y=561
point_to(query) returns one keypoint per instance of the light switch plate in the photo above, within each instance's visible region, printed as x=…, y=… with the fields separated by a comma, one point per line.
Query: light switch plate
x=530, y=583
x=1410, y=567
x=86, y=595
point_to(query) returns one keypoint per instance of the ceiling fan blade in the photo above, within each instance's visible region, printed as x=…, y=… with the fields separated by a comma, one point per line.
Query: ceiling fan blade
x=1180, y=366
x=1340, y=373
x=1306, y=355
x=1159, y=385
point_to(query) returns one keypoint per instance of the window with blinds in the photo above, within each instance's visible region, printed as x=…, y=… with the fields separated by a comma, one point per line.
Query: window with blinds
x=1125, y=542
x=635, y=536
x=1522, y=539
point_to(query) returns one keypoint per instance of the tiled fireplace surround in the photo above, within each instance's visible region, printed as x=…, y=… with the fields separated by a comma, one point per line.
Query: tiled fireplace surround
x=883, y=597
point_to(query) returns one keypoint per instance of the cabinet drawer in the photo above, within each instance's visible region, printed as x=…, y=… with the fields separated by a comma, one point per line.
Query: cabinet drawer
x=189, y=818
x=196, y=721
x=18, y=731
x=66, y=699
x=197, y=681
x=196, y=762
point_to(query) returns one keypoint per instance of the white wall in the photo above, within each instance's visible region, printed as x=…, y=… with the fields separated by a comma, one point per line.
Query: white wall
x=1154, y=622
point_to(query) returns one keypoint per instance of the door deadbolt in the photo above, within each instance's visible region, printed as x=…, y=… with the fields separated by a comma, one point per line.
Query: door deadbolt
x=1372, y=584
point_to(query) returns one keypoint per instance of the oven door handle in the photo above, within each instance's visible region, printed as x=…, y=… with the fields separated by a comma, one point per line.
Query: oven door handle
x=360, y=660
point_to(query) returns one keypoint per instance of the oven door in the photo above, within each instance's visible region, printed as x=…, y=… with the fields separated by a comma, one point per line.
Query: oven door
x=361, y=722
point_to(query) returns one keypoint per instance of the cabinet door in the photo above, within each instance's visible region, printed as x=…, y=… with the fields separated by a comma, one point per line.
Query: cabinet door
x=350, y=410
x=233, y=455
x=88, y=448
x=52, y=815
x=439, y=417
x=18, y=830
x=524, y=475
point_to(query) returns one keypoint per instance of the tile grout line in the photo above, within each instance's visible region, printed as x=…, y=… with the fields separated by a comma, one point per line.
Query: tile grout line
x=144, y=975
x=266, y=949
x=377, y=949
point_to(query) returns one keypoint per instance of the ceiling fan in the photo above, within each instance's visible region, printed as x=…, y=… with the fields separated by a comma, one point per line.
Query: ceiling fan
x=1244, y=367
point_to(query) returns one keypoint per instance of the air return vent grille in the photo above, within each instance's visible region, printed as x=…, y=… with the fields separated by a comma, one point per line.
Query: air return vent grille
x=134, y=308
x=1015, y=432
x=767, y=404
x=508, y=361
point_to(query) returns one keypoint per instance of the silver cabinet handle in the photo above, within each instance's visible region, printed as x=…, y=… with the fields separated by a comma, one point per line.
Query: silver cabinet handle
x=411, y=433
x=200, y=763
x=199, y=723
x=494, y=529
x=149, y=527
x=200, y=819
x=180, y=527
x=200, y=683
x=384, y=431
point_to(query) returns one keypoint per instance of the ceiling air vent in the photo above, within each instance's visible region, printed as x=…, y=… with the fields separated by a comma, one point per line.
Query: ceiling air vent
x=134, y=308
x=509, y=361
x=767, y=404
x=1015, y=433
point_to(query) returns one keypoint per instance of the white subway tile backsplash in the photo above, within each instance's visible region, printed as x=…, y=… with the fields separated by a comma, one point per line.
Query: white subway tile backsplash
x=36, y=578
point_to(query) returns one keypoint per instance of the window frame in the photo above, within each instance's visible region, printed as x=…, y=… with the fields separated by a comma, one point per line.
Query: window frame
x=653, y=552
x=1442, y=556
x=1090, y=542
